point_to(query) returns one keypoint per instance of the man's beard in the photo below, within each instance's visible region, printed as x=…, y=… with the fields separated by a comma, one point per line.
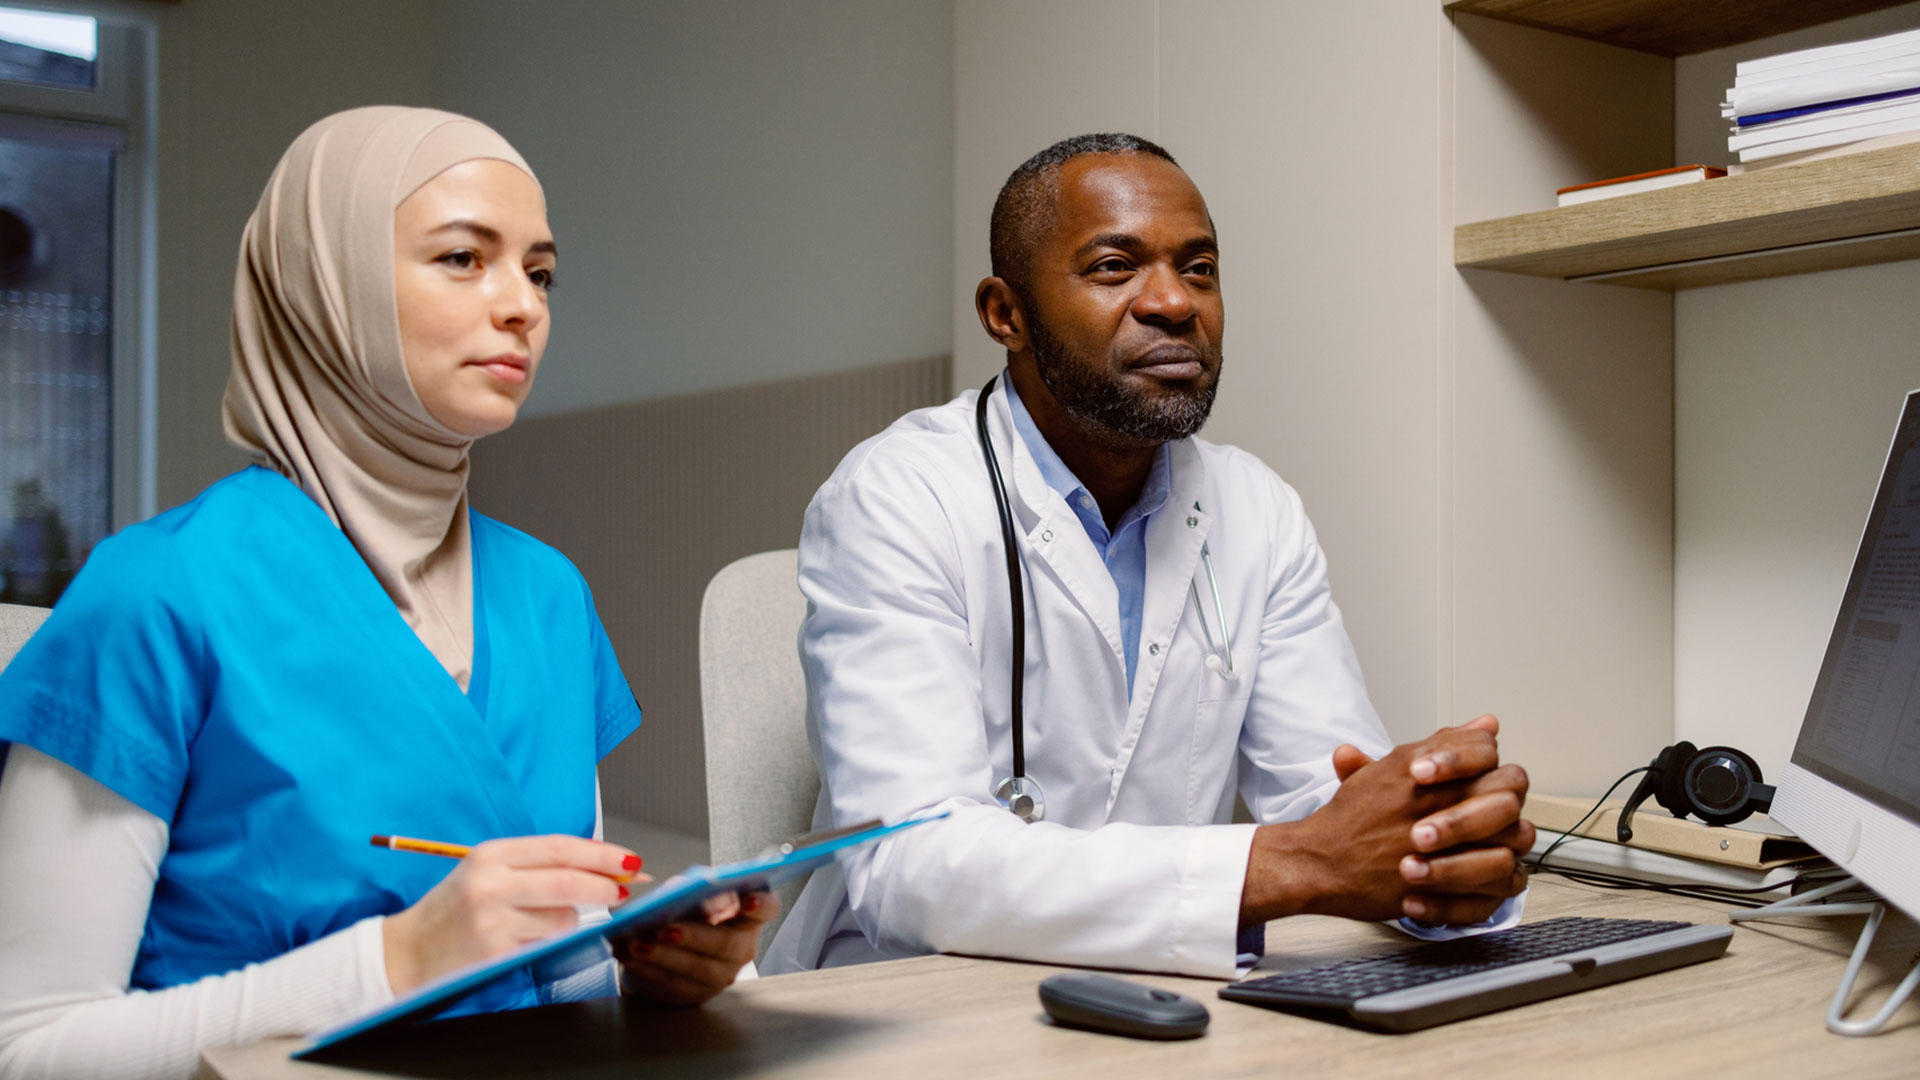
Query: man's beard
x=1115, y=408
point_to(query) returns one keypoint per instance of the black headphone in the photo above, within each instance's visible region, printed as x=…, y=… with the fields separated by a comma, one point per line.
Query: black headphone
x=1718, y=785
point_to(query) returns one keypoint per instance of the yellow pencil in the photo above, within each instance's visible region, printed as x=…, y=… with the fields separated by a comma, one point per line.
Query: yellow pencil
x=451, y=851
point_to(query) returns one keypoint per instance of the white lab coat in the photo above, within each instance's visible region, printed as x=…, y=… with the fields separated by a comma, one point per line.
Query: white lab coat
x=906, y=649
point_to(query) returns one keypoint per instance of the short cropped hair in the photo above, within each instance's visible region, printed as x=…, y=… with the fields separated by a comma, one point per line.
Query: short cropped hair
x=1025, y=208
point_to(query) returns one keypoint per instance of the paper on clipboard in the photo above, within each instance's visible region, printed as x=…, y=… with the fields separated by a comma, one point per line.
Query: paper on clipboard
x=677, y=896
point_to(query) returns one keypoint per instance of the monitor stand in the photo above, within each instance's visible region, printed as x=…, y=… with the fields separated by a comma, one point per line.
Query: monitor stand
x=1806, y=905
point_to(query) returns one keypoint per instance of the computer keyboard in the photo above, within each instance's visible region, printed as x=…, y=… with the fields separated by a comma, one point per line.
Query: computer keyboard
x=1451, y=980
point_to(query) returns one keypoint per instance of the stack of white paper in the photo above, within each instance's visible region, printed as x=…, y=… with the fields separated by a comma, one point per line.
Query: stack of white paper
x=1827, y=96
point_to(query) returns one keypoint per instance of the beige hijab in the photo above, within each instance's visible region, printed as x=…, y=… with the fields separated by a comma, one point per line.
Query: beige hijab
x=319, y=390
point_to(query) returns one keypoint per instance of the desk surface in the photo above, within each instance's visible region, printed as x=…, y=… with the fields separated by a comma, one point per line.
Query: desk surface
x=1759, y=1009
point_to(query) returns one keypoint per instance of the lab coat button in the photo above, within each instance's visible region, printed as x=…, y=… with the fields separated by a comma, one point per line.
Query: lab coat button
x=1047, y=536
x=1192, y=522
x=1154, y=648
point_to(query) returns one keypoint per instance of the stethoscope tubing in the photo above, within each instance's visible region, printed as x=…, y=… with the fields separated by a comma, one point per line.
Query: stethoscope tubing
x=1016, y=590
x=1015, y=584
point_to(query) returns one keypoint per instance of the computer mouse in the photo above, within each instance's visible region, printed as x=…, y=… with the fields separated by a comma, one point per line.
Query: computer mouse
x=1103, y=1003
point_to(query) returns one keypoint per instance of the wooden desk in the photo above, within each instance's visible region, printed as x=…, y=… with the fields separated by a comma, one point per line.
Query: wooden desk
x=1757, y=1011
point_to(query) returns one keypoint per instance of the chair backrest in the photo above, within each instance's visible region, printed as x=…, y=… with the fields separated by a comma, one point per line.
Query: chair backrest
x=17, y=624
x=761, y=783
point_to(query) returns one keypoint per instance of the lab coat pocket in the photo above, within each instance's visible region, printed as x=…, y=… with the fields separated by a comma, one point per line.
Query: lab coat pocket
x=1213, y=762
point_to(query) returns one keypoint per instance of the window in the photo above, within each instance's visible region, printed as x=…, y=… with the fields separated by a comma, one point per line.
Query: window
x=72, y=204
x=48, y=48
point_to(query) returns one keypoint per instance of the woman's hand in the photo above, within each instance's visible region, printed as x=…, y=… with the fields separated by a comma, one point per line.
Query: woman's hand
x=504, y=894
x=685, y=963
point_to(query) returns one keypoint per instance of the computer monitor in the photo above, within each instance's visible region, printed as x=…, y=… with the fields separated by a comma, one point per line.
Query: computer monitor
x=1852, y=787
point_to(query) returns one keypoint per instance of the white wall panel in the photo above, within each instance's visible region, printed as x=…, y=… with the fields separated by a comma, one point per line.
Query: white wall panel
x=1786, y=394
x=1564, y=593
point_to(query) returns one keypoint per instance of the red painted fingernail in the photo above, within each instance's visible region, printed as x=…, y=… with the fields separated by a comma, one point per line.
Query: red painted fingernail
x=670, y=935
x=624, y=893
x=749, y=902
x=631, y=862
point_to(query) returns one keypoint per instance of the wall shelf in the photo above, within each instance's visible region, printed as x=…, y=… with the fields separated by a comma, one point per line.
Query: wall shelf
x=1821, y=215
x=1667, y=27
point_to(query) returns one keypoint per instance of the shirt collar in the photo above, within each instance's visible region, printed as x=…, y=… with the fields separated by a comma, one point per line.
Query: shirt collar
x=1153, y=494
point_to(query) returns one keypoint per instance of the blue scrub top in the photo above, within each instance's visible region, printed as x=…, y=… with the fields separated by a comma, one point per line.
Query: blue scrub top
x=233, y=667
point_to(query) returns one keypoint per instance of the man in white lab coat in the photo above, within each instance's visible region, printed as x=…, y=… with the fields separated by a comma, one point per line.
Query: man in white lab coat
x=1143, y=553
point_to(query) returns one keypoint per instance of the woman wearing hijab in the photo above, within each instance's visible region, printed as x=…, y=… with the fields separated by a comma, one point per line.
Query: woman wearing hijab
x=233, y=696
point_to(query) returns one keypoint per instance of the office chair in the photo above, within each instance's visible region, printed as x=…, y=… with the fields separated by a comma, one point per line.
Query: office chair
x=761, y=783
x=17, y=624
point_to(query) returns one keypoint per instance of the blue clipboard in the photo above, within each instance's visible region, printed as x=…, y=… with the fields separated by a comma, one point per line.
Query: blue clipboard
x=677, y=896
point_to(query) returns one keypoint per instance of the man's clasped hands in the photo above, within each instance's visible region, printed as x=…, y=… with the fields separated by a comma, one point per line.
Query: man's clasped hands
x=1431, y=831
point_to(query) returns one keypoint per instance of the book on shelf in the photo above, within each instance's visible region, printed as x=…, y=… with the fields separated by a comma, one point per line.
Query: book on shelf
x=1638, y=182
x=1821, y=108
x=1828, y=123
x=1771, y=97
x=1886, y=65
x=1827, y=96
x=1828, y=57
x=1831, y=138
x=1804, y=156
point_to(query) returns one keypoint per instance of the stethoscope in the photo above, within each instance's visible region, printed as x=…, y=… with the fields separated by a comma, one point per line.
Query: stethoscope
x=1020, y=793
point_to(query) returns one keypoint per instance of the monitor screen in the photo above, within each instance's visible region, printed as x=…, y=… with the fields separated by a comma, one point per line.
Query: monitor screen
x=1862, y=729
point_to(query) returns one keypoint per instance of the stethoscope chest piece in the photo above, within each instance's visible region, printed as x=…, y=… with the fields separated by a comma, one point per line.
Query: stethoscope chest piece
x=1022, y=796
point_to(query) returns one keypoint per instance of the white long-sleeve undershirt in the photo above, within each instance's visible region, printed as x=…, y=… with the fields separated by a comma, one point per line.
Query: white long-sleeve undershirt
x=78, y=864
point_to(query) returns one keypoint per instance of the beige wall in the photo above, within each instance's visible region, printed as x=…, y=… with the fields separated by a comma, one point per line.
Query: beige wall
x=1786, y=394
x=742, y=190
x=1562, y=420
